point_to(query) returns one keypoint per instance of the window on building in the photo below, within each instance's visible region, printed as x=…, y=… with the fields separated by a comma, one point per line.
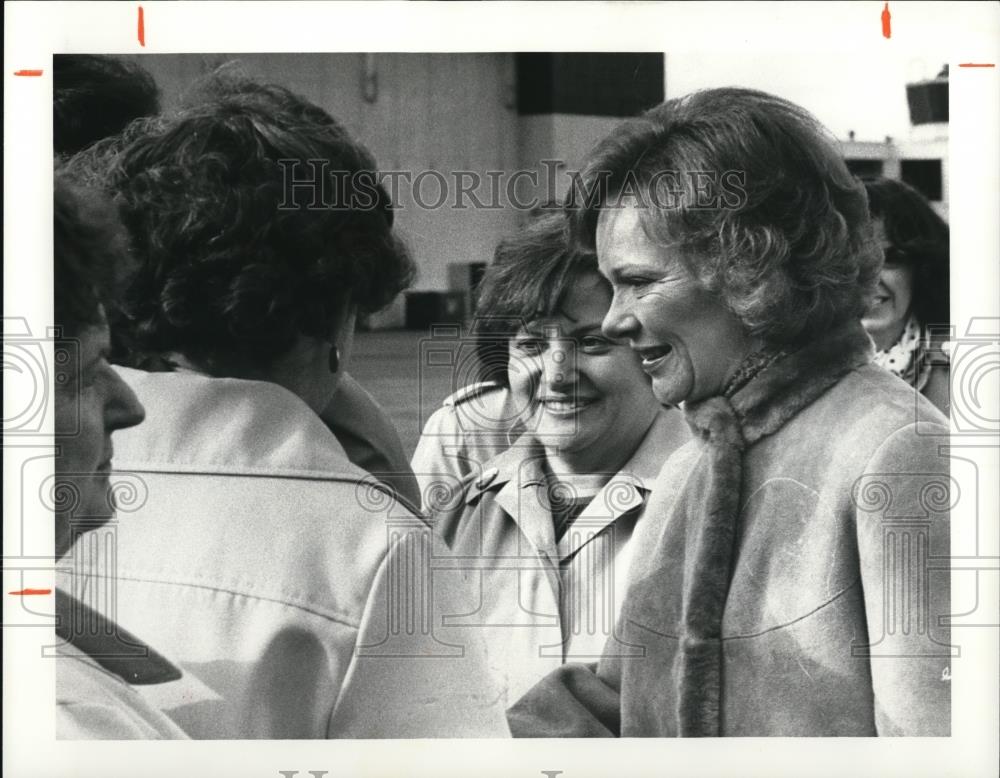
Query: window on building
x=865, y=168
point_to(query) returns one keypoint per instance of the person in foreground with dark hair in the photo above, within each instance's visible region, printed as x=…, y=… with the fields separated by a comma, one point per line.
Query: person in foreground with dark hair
x=772, y=595
x=95, y=97
x=267, y=564
x=99, y=662
x=909, y=315
x=565, y=498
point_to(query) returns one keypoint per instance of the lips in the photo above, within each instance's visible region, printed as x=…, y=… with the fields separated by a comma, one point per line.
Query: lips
x=105, y=464
x=560, y=405
x=653, y=356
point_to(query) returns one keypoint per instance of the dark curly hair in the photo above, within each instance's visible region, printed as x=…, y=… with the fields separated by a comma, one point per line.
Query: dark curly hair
x=921, y=240
x=95, y=97
x=234, y=262
x=89, y=257
x=753, y=193
x=530, y=275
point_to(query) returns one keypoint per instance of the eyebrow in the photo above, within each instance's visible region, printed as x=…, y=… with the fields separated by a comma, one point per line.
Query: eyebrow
x=650, y=270
x=585, y=328
x=535, y=331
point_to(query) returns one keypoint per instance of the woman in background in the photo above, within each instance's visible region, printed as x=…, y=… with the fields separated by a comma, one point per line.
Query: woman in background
x=262, y=560
x=548, y=521
x=909, y=315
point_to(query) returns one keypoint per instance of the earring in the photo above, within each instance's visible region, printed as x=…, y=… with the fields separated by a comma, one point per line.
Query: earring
x=334, y=362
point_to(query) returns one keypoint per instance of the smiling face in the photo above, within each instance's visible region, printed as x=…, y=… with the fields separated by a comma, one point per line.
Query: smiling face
x=589, y=399
x=89, y=407
x=689, y=342
x=886, y=319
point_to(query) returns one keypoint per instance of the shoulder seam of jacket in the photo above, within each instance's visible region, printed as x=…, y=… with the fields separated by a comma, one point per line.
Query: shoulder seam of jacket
x=469, y=392
x=238, y=472
x=343, y=620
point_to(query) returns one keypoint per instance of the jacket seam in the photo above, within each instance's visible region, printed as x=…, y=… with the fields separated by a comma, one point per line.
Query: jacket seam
x=329, y=617
x=240, y=472
x=815, y=610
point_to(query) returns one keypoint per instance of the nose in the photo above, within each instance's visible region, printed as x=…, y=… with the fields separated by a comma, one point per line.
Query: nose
x=123, y=409
x=558, y=364
x=619, y=322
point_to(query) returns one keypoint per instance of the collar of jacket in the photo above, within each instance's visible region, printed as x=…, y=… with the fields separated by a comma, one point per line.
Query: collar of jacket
x=115, y=649
x=525, y=458
x=198, y=424
x=787, y=386
x=523, y=466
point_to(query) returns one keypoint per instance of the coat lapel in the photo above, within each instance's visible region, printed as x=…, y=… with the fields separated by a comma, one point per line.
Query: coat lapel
x=626, y=491
x=112, y=647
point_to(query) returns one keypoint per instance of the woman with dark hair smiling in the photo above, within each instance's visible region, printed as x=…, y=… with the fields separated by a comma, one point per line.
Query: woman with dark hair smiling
x=263, y=561
x=564, y=499
x=769, y=592
x=909, y=315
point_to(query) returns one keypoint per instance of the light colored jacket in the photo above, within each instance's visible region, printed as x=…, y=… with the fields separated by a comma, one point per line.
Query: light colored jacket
x=283, y=577
x=101, y=673
x=472, y=426
x=835, y=618
x=369, y=439
x=543, y=602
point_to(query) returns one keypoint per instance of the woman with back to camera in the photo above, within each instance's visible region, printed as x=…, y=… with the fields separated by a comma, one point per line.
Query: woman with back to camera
x=95, y=97
x=560, y=505
x=263, y=561
x=909, y=316
x=739, y=250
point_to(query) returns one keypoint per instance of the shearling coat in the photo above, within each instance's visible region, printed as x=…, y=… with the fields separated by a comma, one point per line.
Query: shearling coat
x=833, y=599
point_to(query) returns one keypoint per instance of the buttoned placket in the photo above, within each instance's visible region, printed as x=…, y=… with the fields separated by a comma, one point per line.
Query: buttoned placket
x=526, y=505
x=522, y=501
x=588, y=558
